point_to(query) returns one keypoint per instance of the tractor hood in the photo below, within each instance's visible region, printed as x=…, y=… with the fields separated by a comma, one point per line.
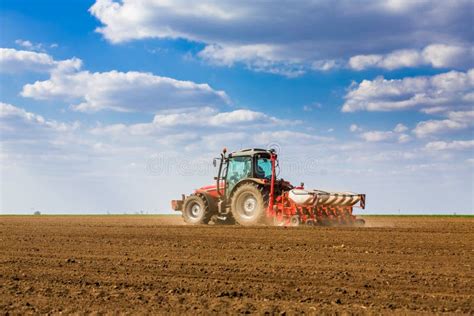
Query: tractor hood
x=211, y=189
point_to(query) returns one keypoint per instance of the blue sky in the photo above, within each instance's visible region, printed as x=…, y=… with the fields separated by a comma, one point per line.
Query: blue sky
x=121, y=105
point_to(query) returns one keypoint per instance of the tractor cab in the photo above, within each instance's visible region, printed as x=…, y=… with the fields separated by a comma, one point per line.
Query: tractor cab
x=253, y=163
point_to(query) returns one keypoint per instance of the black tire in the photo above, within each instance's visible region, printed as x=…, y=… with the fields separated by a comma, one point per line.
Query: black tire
x=249, y=205
x=196, y=211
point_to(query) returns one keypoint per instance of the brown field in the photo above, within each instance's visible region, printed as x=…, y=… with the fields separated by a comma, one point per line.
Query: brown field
x=154, y=264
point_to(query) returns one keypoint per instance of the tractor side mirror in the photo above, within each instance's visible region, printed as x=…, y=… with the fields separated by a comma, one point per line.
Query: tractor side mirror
x=214, y=162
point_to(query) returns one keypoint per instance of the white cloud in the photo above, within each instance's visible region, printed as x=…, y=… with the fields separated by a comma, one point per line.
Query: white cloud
x=8, y=112
x=326, y=64
x=12, y=61
x=451, y=89
x=452, y=145
x=404, y=138
x=206, y=117
x=258, y=57
x=400, y=128
x=455, y=121
x=18, y=124
x=434, y=55
x=377, y=136
x=382, y=136
x=211, y=117
x=462, y=116
x=122, y=91
x=444, y=56
x=426, y=128
x=312, y=35
x=266, y=58
x=229, y=55
x=112, y=90
x=28, y=45
x=355, y=128
x=17, y=61
x=361, y=62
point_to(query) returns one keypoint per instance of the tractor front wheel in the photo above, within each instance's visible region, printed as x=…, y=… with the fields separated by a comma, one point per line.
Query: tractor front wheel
x=196, y=211
x=249, y=205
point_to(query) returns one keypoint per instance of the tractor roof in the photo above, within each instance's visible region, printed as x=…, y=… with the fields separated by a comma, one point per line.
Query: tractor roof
x=249, y=152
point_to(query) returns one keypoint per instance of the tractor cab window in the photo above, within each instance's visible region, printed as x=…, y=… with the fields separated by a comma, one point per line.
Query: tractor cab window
x=238, y=168
x=263, y=169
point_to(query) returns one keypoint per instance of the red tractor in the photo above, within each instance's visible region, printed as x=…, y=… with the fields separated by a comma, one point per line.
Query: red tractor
x=247, y=192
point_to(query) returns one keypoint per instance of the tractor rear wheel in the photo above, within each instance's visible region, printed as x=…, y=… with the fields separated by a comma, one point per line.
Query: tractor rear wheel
x=248, y=205
x=196, y=211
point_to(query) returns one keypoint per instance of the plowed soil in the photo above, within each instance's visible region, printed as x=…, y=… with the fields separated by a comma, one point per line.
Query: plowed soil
x=154, y=264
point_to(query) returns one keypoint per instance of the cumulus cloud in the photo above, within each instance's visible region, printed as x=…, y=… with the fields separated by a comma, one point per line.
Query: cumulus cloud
x=430, y=127
x=122, y=91
x=17, y=61
x=381, y=136
x=206, y=117
x=455, y=121
x=228, y=55
x=112, y=90
x=258, y=57
x=212, y=117
x=397, y=134
x=28, y=45
x=400, y=128
x=18, y=124
x=451, y=90
x=452, y=145
x=435, y=55
x=443, y=56
x=355, y=128
x=403, y=138
x=326, y=64
x=312, y=34
x=377, y=136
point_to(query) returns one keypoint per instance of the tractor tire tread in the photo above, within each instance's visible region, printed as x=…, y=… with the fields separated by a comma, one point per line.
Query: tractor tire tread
x=205, y=219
